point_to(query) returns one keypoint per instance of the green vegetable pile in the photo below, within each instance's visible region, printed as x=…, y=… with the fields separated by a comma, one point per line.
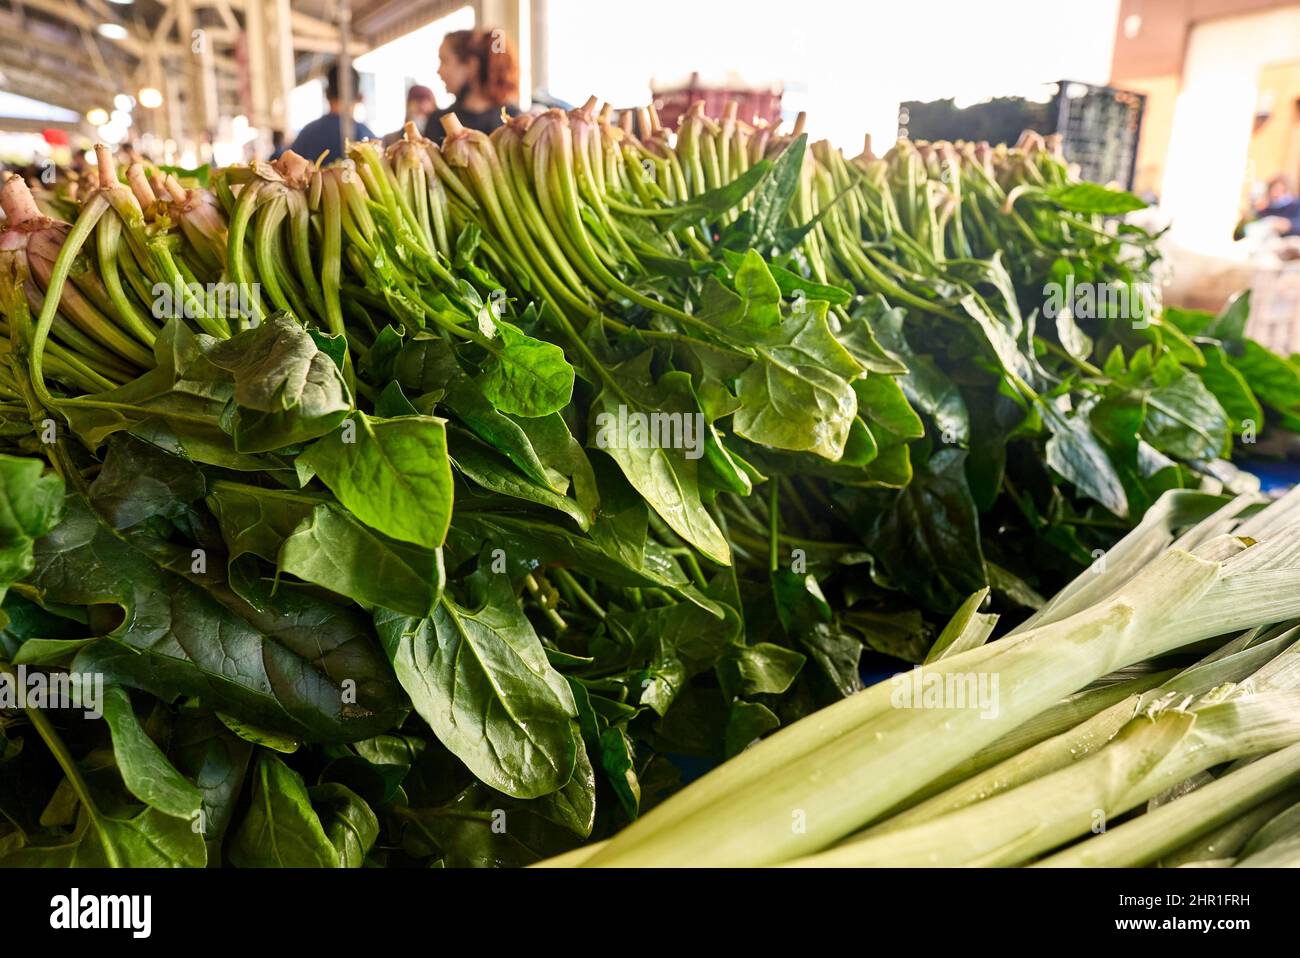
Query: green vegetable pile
x=439, y=505
x=1128, y=722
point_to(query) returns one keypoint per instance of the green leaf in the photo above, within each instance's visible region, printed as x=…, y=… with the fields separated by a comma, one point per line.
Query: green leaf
x=216, y=761
x=481, y=679
x=350, y=824
x=883, y=403
x=149, y=839
x=48, y=651
x=1074, y=452
x=616, y=758
x=392, y=402
x=713, y=203
x=281, y=666
x=1192, y=322
x=280, y=828
x=526, y=376
x=1275, y=380
x=427, y=363
x=183, y=394
x=747, y=722
x=1229, y=326
x=1094, y=198
x=837, y=653
x=481, y=829
x=146, y=772
x=139, y=481
x=796, y=395
x=31, y=504
x=530, y=542
x=800, y=408
x=928, y=541
x=774, y=193
x=1230, y=388
x=924, y=385
x=496, y=474
x=902, y=635
x=285, y=744
x=664, y=474
x=573, y=806
x=322, y=543
x=967, y=629
x=287, y=391
x=392, y=474
x=792, y=284
x=1185, y=420
x=335, y=347
x=332, y=549
x=661, y=682
x=762, y=669
x=199, y=174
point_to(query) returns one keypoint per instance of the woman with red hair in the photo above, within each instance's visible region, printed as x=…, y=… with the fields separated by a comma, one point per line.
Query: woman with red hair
x=480, y=68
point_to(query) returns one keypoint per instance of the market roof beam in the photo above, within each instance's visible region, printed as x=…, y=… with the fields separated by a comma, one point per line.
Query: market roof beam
x=25, y=124
x=37, y=65
x=38, y=88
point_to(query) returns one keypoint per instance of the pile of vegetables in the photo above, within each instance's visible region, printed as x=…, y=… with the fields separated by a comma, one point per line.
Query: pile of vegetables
x=440, y=505
x=1090, y=718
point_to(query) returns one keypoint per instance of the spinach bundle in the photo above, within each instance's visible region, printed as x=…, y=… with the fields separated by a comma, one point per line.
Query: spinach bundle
x=516, y=466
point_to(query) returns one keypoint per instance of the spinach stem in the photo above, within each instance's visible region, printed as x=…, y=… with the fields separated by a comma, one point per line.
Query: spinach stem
x=565, y=576
x=774, y=527
x=50, y=736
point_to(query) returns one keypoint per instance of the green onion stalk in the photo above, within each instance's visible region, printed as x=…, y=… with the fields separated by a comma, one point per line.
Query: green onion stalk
x=763, y=807
x=1233, y=663
x=1149, y=755
x=1276, y=844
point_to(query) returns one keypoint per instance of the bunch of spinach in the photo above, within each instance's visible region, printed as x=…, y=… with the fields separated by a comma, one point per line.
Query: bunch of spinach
x=396, y=574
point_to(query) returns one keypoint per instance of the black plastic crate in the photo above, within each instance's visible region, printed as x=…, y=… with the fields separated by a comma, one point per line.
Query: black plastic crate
x=1099, y=125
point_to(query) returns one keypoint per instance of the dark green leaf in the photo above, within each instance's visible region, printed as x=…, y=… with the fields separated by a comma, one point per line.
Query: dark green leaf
x=287, y=391
x=280, y=828
x=481, y=680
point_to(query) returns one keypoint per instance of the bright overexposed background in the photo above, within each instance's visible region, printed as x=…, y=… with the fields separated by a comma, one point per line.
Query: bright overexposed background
x=407, y=60
x=386, y=73
x=849, y=64
x=1207, y=159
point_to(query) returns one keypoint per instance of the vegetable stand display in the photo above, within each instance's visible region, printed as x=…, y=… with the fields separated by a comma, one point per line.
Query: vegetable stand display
x=374, y=504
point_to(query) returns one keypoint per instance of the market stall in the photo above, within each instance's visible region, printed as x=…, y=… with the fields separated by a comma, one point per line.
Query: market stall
x=589, y=492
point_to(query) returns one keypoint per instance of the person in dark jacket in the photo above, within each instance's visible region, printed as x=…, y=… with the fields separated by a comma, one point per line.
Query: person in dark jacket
x=420, y=104
x=480, y=67
x=324, y=135
x=1282, y=206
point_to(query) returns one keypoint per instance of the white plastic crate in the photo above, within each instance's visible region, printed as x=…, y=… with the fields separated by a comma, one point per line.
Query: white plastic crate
x=1275, y=309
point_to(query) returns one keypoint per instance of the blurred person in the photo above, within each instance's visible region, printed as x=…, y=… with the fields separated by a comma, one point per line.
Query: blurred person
x=479, y=66
x=325, y=134
x=420, y=103
x=1281, y=206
